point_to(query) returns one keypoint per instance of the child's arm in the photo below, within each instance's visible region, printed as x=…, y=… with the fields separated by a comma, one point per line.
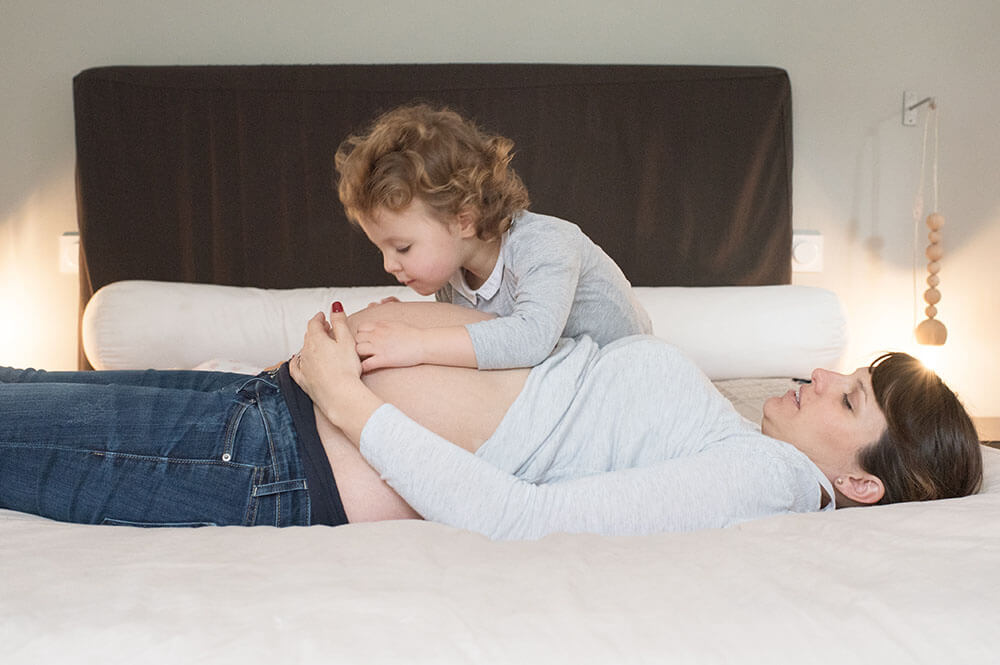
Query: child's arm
x=556, y=274
x=397, y=344
x=542, y=302
x=544, y=261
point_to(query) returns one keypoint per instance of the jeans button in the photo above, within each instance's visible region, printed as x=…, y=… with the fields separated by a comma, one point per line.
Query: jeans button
x=226, y=457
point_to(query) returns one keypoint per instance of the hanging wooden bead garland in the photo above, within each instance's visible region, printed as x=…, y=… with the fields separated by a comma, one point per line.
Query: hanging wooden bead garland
x=930, y=330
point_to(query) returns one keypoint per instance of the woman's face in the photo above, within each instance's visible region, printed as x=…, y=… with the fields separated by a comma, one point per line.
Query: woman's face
x=418, y=249
x=830, y=419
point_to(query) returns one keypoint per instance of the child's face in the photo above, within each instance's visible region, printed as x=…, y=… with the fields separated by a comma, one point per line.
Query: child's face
x=418, y=249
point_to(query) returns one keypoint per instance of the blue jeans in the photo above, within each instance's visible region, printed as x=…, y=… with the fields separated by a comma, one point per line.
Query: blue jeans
x=150, y=448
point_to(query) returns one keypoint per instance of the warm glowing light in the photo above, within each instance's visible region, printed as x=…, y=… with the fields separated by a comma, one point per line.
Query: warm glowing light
x=37, y=303
x=15, y=340
x=932, y=357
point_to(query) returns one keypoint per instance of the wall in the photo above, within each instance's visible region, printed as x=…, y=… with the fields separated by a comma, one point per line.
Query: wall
x=856, y=166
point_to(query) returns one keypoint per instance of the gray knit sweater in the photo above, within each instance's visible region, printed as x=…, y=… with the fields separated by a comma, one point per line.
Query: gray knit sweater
x=631, y=438
x=550, y=281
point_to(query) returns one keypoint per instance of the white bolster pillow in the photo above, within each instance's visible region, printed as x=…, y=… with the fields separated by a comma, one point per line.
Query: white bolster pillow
x=178, y=325
x=750, y=331
x=731, y=332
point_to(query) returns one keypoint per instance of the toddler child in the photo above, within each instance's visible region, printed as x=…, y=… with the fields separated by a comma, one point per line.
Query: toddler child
x=438, y=198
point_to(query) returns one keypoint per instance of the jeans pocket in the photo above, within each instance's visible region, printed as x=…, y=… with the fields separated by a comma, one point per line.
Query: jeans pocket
x=110, y=521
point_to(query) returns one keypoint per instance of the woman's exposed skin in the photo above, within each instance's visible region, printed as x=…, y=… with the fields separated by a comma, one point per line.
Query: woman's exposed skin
x=463, y=405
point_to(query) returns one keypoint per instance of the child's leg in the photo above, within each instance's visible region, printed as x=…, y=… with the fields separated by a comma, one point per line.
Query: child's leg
x=116, y=454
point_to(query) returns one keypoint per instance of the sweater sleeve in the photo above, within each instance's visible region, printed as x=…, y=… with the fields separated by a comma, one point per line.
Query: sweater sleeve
x=444, y=483
x=546, y=264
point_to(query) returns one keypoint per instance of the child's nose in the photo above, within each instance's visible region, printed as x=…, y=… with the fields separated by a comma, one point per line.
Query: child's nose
x=389, y=263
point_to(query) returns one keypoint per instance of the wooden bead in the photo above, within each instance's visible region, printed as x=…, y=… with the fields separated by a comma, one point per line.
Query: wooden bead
x=935, y=221
x=933, y=280
x=931, y=331
x=934, y=236
x=934, y=252
x=934, y=267
x=930, y=311
x=932, y=296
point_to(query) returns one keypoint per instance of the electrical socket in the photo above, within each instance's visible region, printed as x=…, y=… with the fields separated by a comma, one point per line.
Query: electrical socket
x=807, y=251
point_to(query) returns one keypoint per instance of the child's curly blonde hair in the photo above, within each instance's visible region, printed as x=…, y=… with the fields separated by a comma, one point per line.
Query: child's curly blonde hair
x=435, y=155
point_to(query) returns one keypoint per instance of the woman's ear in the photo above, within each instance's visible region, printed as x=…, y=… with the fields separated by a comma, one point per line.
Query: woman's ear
x=860, y=488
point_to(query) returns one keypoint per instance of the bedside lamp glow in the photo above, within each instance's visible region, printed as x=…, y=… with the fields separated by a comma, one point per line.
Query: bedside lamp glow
x=12, y=343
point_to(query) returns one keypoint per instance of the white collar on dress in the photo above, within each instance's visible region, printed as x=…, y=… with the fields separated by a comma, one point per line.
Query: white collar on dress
x=490, y=287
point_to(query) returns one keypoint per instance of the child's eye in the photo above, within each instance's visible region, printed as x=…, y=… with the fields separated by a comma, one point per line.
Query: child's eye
x=403, y=250
x=847, y=403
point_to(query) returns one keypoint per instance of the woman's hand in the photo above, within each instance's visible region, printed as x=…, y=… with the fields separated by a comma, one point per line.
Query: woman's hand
x=327, y=356
x=328, y=370
x=389, y=344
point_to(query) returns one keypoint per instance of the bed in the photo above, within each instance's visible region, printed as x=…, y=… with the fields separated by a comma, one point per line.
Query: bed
x=210, y=231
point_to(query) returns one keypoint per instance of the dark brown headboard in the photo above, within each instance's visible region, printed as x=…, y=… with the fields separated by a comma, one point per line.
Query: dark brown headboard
x=224, y=174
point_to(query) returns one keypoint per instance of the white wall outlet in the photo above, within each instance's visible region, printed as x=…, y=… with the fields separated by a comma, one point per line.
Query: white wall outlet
x=807, y=251
x=69, y=252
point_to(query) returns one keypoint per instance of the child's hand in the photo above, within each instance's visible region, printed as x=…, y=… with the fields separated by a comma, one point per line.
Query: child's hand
x=383, y=301
x=389, y=344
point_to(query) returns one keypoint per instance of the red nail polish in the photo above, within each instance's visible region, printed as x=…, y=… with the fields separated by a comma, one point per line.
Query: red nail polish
x=336, y=307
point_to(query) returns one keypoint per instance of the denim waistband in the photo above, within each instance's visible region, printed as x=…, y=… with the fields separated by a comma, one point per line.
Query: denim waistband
x=284, y=492
x=326, y=504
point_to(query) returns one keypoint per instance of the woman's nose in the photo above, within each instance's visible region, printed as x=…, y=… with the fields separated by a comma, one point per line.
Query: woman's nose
x=822, y=378
x=819, y=377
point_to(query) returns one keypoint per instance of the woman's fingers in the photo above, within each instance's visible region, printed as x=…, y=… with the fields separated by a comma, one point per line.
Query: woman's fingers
x=317, y=319
x=338, y=323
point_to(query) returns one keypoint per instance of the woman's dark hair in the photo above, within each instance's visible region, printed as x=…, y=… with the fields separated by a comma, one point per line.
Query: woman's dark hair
x=930, y=449
x=435, y=155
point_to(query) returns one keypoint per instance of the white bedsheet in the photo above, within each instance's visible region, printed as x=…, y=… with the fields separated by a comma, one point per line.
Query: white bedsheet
x=910, y=583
